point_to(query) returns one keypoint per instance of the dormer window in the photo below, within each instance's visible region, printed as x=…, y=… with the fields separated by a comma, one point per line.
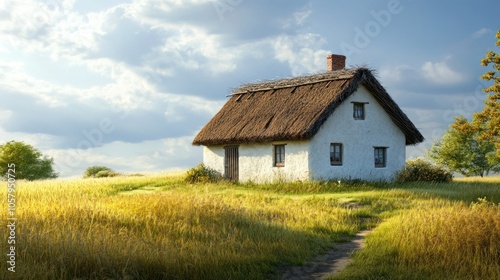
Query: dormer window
x=359, y=110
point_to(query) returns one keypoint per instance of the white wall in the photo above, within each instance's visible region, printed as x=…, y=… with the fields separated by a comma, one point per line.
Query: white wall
x=358, y=138
x=256, y=161
x=213, y=157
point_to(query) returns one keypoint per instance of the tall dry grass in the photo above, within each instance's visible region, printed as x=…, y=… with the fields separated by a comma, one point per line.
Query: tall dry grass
x=442, y=237
x=87, y=229
x=459, y=239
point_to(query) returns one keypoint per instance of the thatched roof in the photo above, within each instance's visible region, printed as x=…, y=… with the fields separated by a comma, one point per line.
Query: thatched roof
x=294, y=109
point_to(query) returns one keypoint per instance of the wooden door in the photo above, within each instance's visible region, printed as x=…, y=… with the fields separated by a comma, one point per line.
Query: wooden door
x=231, y=168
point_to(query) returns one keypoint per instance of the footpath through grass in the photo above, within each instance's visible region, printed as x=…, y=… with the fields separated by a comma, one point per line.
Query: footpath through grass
x=88, y=229
x=455, y=234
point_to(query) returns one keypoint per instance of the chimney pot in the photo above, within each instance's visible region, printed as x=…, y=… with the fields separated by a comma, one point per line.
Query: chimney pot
x=335, y=62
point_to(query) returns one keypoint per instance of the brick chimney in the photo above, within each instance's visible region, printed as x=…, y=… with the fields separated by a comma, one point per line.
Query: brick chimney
x=335, y=62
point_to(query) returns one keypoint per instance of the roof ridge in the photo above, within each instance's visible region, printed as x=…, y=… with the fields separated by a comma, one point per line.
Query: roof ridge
x=287, y=86
x=297, y=81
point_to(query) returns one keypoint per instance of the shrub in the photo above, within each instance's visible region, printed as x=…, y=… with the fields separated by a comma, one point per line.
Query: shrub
x=106, y=173
x=97, y=171
x=422, y=170
x=202, y=174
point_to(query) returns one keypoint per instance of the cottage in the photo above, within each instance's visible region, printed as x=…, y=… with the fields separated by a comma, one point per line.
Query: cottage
x=334, y=125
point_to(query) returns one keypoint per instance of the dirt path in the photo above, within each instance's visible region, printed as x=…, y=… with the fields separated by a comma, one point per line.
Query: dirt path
x=328, y=264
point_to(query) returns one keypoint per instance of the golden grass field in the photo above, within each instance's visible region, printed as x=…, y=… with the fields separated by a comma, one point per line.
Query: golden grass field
x=159, y=227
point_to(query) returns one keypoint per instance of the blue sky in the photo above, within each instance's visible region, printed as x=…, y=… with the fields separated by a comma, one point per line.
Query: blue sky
x=128, y=84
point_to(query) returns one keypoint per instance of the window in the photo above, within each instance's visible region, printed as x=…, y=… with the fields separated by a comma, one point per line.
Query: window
x=359, y=111
x=279, y=155
x=380, y=156
x=335, y=154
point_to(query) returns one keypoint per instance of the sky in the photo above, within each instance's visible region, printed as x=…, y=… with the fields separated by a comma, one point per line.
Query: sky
x=128, y=84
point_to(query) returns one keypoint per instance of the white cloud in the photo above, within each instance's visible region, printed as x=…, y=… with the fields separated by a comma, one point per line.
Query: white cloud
x=41, y=141
x=193, y=48
x=23, y=18
x=394, y=74
x=302, y=16
x=302, y=52
x=73, y=38
x=440, y=73
x=178, y=105
x=5, y=115
x=14, y=79
x=75, y=35
x=126, y=99
x=128, y=90
x=296, y=19
x=165, y=5
x=50, y=25
x=188, y=45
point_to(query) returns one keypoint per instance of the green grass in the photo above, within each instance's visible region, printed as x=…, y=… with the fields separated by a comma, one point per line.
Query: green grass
x=165, y=228
x=444, y=237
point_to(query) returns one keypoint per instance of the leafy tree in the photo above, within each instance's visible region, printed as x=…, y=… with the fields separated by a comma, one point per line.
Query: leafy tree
x=488, y=121
x=98, y=171
x=473, y=148
x=29, y=162
x=463, y=150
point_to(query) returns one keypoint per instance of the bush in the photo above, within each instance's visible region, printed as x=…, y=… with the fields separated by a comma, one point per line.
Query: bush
x=97, y=171
x=106, y=173
x=202, y=174
x=422, y=170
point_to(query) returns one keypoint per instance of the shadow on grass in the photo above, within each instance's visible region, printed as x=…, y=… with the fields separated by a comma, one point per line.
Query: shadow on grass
x=456, y=191
x=316, y=187
x=209, y=241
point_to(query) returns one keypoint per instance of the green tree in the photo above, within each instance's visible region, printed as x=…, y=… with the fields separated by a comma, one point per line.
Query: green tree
x=29, y=162
x=98, y=171
x=488, y=121
x=463, y=150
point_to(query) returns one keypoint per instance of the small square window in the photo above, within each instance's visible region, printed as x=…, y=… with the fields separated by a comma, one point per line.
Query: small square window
x=359, y=111
x=335, y=154
x=279, y=155
x=380, y=156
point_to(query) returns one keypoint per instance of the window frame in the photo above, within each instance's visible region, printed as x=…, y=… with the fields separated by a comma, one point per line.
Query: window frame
x=279, y=149
x=376, y=154
x=363, y=110
x=341, y=154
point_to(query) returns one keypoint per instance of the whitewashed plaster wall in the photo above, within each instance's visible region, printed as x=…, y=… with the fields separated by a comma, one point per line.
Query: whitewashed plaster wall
x=213, y=157
x=256, y=161
x=358, y=137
